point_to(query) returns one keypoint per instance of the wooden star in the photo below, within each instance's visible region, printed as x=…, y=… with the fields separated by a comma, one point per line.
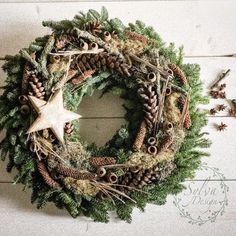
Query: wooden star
x=52, y=114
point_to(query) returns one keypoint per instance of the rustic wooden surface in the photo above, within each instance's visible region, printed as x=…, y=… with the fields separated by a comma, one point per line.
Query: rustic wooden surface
x=207, y=30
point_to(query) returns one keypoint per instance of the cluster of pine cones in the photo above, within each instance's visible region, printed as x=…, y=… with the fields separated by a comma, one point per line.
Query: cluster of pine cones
x=138, y=178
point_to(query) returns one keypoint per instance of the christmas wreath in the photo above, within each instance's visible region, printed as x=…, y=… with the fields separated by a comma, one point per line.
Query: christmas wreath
x=145, y=160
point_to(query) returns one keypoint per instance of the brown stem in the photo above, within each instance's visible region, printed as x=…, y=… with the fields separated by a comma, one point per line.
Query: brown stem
x=221, y=76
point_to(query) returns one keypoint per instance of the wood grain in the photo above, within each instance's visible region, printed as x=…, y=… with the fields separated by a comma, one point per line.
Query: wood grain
x=205, y=29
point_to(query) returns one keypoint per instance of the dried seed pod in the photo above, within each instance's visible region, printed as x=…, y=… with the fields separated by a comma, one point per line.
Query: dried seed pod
x=55, y=59
x=25, y=109
x=23, y=99
x=168, y=91
x=169, y=126
x=178, y=73
x=106, y=36
x=46, y=176
x=152, y=150
x=114, y=34
x=152, y=141
x=93, y=46
x=83, y=46
x=102, y=161
x=101, y=171
x=151, y=77
x=138, y=142
x=112, y=177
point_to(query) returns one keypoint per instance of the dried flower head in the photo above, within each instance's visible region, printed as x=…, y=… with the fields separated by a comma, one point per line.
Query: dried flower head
x=221, y=127
x=221, y=107
x=213, y=111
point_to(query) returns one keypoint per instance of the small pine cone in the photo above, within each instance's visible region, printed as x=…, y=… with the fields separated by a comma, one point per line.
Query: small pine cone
x=86, y=74
x=101, y=62
x=66, y=38
x=179, y=73
x=74, y=173
x=150, y=104
x=61, y=42
x=47, y=178
x=26, y=77
x=187, y=120
x=93, y=27
x=136, y=36
x=69, y=128
x=36, y=87
x=166, y=143
x=140, y=136
x=102, y=161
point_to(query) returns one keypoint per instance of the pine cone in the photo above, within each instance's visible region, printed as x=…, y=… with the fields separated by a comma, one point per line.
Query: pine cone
x=47, y=178
x=166, y=142
x=150, y=104
x=93, y=27
x=102, y=161
x=68, y=37
x=26, y=77
x=100, y=62
x=187, y=121
x=179, y=73
x=136, y=36
x=69, y=128
x=36, y=87
x=144, y=177
x=74, y=173
x=78, y=79
x=138, y=142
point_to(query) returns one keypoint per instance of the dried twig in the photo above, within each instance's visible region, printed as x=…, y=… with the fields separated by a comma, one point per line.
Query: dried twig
x=221, y=76
x=76, y=52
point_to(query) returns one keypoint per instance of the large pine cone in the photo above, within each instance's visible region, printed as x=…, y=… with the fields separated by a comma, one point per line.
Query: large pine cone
x=150, y=104
x=100, y=62
x=140, y=178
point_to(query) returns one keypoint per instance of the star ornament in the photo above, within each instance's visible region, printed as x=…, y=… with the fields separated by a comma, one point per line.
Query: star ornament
x=52, y=115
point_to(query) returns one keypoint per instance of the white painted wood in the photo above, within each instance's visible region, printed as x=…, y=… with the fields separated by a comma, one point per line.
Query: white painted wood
x=204, y=28
x=19, y=217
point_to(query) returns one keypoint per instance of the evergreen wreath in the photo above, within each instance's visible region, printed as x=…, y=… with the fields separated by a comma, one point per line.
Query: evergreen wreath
x=145, y=160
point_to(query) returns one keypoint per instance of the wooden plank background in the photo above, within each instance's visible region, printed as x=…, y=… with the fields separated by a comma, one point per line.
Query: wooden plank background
x=207, y=30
